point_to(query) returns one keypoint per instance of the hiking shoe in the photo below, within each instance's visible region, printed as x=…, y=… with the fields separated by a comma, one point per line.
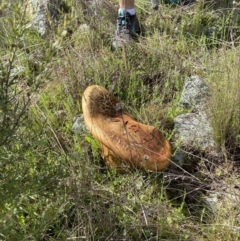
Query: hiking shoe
x=155, y=4
x=127, y=29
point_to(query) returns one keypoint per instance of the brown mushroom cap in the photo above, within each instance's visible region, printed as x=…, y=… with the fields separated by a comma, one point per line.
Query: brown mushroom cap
x=124, y=141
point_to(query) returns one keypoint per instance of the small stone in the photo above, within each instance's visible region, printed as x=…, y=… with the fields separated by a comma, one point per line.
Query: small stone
x=179, y=158
x=79, y=125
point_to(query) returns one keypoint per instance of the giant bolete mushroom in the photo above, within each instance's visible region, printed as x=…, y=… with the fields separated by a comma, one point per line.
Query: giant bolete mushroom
x=125, y=143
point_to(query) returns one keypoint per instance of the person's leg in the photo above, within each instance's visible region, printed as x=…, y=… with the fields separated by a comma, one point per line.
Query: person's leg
x=127, y=23
x=126, y=4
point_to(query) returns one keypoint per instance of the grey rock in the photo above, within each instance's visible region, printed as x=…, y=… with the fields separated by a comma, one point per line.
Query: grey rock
x=223, y=197
x=212, y=201
x=178, y=158
x=79, y=125
x=43, y=12
x=17, y=71
x=155, y=4
x=195, y=94
x=194, y=130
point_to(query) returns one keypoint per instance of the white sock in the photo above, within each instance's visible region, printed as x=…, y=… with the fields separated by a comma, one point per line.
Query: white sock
x=130, y=10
